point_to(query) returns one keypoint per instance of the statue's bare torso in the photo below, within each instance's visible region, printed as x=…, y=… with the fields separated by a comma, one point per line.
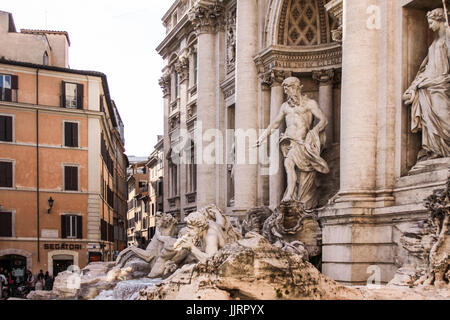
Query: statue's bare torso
x=298, y=119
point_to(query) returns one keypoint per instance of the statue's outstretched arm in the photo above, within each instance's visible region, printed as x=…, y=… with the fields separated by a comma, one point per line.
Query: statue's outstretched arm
x=273, y=126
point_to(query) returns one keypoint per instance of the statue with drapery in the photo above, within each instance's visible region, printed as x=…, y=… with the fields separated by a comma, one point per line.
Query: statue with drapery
x=429, y=93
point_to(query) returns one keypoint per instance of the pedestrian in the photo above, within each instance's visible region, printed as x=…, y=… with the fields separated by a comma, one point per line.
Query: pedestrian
x=40, y=275
x=3, y=283
x=29, y=280
x=11, y=280
x=48, y=282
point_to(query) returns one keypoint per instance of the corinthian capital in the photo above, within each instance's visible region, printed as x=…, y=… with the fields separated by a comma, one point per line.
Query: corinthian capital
x=182, y=68
x=164, y=82
x=207, y=16
x=273, y=77
x=324, y=77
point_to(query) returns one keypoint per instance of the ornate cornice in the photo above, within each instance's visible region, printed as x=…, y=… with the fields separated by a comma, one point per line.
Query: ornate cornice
x=164, y=82
x=304, y=59
x=207, y=16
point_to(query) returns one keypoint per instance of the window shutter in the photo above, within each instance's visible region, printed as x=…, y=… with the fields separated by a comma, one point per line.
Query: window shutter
x=67, y=134
x=3, y=128
x=2, y=174
x=9, y=175
x=5, y=224
x=80, y=95
x=6, y=175
x=74, y=178
x=8, y=129
x=75, y=135
x=14, y=82
x=8, y=95
x=67, y=178
x=64, y=227
x=63, y=94
x=79, y=227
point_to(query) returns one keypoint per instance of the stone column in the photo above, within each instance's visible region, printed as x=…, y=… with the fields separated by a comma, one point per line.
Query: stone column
x=359, y=104
x=182, y=68
x=354, y=237
x=325, y=79
x=164, y=82
x=276, y=181
x=246, y=180
x=206, y=16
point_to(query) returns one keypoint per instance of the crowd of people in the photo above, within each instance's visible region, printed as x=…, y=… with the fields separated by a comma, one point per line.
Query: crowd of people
x=12, y=286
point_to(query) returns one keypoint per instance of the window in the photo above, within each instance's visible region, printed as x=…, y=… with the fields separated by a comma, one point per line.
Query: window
x=160, y=188
x=175, y=86
x=45, y=60
x=143, y=186
x=71, y=227
x=71, y=134
x=72, y=95
x=6, y=174
x=195, y=68
x=8, y=87
x=192, y=187
x=102, y=104
x=144, y=223
x=103, y=230
x=6, y=224
x=174, y=180
x=6, y=130
x=70, y=178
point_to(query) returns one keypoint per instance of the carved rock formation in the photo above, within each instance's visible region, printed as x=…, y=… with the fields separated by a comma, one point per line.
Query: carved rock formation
x=250, y=268
x=428, y=246
x=290, y=227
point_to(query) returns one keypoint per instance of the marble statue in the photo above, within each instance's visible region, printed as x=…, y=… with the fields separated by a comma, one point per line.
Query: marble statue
x=164, y=236
x=301, y=143
x=208, y=230
x=429, y=93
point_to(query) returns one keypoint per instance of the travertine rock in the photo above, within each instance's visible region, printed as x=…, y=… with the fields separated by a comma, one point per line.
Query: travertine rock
x=251, y=268
x=428, y=246
x=41, y=295
x=289, y=227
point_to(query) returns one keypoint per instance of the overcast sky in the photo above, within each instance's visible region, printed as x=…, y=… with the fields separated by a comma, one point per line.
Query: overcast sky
x=117, y=38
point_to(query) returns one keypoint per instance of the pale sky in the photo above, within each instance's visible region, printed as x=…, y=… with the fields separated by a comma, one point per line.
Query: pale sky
x=117, y=38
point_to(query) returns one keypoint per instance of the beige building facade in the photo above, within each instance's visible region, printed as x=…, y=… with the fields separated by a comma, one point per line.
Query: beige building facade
x=224, y=65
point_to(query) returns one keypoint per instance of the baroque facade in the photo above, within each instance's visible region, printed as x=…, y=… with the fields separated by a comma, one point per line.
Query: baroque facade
x=224, y=66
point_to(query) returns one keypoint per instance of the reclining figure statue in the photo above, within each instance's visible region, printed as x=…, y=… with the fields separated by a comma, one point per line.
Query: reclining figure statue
x=166, y=229
x=207, y=231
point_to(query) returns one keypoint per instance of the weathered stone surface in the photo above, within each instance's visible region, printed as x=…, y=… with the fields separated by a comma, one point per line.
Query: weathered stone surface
x=41, y=295
x=251, y=268
x=289, y=227
x=427, y=246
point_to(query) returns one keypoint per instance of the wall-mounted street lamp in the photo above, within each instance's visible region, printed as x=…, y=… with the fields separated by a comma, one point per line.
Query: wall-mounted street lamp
x=50, y=204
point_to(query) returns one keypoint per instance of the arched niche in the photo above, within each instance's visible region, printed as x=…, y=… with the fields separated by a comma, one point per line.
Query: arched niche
x=298, y=23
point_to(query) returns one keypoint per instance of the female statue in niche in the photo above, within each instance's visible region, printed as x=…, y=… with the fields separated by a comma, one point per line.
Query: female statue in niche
x=429, y=94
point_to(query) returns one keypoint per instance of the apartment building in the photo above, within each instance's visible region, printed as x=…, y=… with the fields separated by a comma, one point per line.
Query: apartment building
x=62, y=164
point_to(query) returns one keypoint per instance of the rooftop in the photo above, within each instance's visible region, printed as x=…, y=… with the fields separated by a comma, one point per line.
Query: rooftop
x=31, y=31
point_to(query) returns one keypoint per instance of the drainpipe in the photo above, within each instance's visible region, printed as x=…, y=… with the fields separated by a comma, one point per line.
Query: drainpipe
x=37, y=167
